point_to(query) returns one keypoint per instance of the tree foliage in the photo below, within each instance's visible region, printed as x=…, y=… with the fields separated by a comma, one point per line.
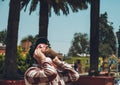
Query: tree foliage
x=2, y=58
x=23, y=60
x=57, y=5
x=107, y=39
x=30, y=38
x=46, y=6
x=80, y=44
x=3, y=35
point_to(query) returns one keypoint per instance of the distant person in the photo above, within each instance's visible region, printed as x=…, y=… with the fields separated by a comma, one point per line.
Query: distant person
x=76, y=66
x=48, y=70
x=79, y=66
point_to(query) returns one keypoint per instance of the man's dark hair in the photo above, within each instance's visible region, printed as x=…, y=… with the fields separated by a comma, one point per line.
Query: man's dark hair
x=34, y=45
x=38, y=41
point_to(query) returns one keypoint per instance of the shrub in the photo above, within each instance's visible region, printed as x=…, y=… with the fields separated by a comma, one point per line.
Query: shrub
x=2, y=58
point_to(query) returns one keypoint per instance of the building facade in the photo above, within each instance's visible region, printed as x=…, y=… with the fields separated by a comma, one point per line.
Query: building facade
x=2, y=49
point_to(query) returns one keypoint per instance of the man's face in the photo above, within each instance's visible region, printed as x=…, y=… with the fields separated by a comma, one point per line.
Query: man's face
x=43, y=47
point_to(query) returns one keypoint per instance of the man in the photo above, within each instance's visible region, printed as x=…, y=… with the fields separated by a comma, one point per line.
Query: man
x=49, y=70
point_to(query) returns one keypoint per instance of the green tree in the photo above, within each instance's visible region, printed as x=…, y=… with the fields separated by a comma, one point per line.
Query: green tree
x=23, y=60
x=107, y=37
x=80, y=44
x=30, y=38
x=3, y=34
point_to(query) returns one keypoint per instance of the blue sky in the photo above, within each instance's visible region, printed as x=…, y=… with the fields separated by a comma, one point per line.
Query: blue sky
x=61, y=28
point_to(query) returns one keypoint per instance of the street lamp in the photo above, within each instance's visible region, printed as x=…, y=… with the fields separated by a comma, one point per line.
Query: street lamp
x=118, y=37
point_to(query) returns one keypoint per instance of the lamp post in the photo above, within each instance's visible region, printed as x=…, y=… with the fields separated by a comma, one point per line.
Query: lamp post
x=118, y=37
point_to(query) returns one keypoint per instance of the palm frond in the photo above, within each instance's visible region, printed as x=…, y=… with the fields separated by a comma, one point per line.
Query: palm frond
x=24, y=3
x=33, y=5
x=76, y=5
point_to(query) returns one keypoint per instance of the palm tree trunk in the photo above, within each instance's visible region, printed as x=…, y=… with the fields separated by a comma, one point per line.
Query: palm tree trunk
x=94, y=35
x=43, y=19
x=10, y=69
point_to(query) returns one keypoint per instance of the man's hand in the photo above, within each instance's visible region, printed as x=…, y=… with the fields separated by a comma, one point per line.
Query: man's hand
x=57, y=61
x=39, y=56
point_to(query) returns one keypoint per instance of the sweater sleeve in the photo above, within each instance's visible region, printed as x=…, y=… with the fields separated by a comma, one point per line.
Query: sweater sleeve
x=69, y=71
x=35, y=75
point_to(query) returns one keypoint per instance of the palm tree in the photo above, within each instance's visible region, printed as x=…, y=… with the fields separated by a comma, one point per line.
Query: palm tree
x=10, y=68
x=94, y=34
x=57, y=5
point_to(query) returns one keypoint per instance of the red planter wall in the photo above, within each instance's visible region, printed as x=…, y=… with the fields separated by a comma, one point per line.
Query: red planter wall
x=12, y=82
x=83, y=80
x=99, y=80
